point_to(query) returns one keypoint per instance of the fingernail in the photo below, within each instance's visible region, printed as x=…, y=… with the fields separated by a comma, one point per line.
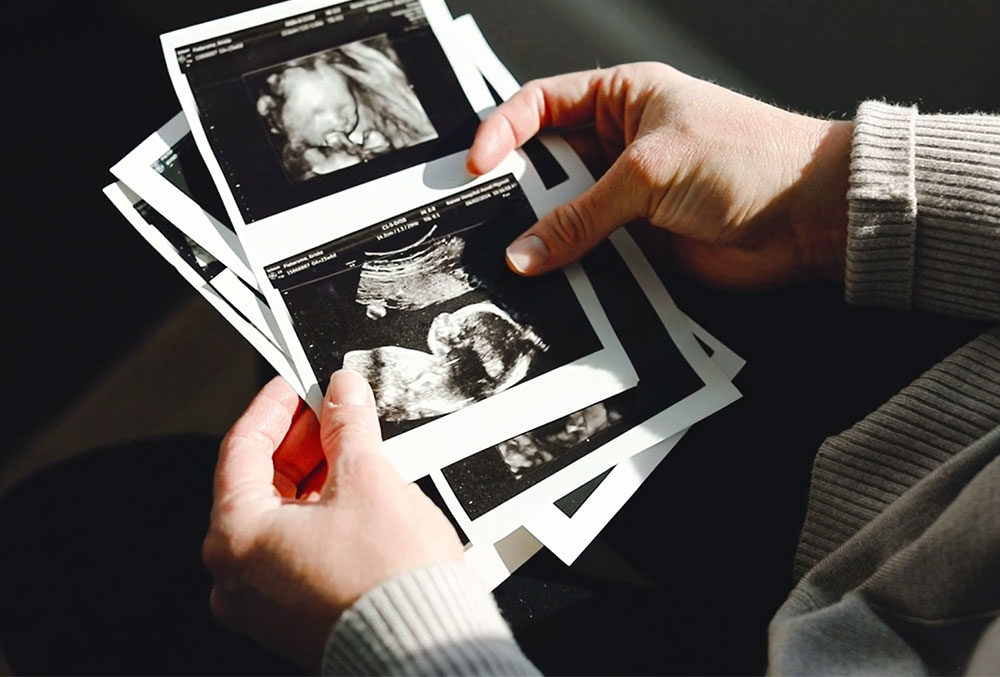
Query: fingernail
x=527, y=253
x=348, y=388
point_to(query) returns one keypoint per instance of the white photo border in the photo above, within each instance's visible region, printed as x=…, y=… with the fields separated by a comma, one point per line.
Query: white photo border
x=567, y=537
x=717, y=393
x=438, y=17
x=278, y=237
x=136, y=171
x=494, y=563
x=122, y=198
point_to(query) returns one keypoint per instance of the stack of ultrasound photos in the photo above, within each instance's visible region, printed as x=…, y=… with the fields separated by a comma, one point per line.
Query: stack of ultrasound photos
x=313, y=191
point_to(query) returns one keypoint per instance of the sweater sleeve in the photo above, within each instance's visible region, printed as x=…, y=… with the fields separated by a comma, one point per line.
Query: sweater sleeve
x=924, y=212
x=439, y=620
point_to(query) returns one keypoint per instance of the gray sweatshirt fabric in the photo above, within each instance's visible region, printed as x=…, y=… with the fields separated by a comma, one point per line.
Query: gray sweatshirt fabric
x=899, y=557
x=898, y=564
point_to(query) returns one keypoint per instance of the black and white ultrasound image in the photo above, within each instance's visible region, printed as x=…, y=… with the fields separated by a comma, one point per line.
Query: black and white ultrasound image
x=184, y=167
x=338, y=108
x=424, y=306
x=493, y=476
x=200, y=260
x=302, y=108
x=534, y=449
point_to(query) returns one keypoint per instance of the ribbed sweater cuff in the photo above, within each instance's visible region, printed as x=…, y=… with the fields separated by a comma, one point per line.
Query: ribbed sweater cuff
x=957, y=168
x=438, y=620
x=882, y=207
x=924, y=211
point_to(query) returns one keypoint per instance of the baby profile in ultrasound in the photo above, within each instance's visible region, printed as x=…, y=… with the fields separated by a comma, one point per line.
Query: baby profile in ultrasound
x=544, y=444
x=340, y=107
x=474, y=352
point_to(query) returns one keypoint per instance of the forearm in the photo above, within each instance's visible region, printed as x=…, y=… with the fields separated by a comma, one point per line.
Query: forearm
x=924, y=212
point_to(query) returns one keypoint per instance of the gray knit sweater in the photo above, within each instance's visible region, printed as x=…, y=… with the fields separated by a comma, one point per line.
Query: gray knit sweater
x=899, y=558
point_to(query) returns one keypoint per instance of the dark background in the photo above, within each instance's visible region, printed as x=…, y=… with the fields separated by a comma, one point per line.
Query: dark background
x=706, y=545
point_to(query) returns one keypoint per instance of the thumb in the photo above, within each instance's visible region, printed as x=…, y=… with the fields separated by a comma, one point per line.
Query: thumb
x=350, y=434
x=571, y=230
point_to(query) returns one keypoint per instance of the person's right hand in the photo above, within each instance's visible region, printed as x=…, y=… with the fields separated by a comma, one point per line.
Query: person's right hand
x=754, y=196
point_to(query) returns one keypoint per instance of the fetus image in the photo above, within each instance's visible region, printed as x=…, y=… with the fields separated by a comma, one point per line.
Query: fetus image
x=415, y=277
x=473, y=353
x=340, y=107
x=538, y=447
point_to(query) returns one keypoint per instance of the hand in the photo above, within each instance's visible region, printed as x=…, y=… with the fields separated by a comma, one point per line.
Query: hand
x=286, y=563
x=753, y=196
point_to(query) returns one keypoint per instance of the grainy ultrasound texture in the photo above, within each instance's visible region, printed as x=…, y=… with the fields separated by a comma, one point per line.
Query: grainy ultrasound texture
x=418, y=276
x=295, y=113
x=340, y=107
x=424, y=305
x=494, y=475
x=475, y=352
x=535, y=448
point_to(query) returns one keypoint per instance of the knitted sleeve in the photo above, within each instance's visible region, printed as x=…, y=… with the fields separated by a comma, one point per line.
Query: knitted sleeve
x=924, y=212
x=439, y=620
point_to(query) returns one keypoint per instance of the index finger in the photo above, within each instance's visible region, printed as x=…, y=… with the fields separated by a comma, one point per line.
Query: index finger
x=559, y=101
x=245, y=471
x=299, y=453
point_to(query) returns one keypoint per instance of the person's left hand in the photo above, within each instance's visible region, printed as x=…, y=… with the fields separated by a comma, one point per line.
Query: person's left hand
x=287, y=563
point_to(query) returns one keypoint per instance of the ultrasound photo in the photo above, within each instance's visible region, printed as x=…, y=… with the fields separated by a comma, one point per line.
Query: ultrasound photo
x=538, y=447
x=425, y=308
x=308, y=105
x=490, y=477
x=475, y=351
x=338, y=108
x=415, y=277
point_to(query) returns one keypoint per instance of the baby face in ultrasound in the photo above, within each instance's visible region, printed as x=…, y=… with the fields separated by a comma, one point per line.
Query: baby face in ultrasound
x=317, y=106
x=475, y=352
x=540, y=446
x=339, y=108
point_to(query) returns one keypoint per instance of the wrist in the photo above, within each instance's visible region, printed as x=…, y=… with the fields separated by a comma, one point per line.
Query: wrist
x=819, y=211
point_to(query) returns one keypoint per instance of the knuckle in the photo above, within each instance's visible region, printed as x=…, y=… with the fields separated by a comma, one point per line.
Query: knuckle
x=571, y=226
x=241, y=435
x=345, y=426
x=213, y=555
x=361, y=470
x=642, y=162
x=656, y=70
x=223, y=609
x=533, y=95
x=225, y=549
x=531, y=88
x=613, y=81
